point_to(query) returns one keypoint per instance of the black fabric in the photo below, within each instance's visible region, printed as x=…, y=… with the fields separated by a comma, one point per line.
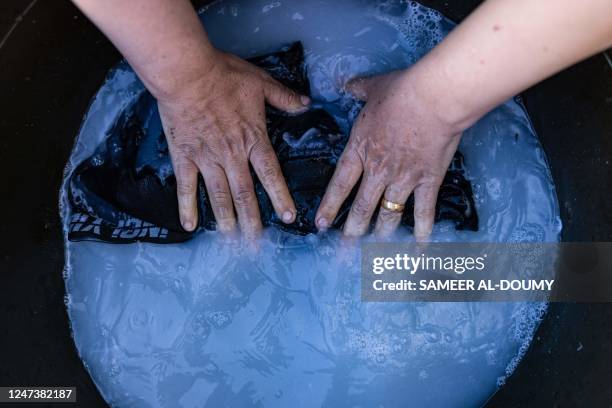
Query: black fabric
x=126, y=192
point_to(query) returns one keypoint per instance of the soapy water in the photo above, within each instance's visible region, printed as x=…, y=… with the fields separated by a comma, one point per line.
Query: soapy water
x=209, y=323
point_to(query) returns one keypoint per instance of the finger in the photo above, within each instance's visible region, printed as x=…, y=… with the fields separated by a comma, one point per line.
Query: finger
x=388, y=221
x=363, y=207
x=243, y=194
x=347, y=173
x=220, y=197
x=268, y=170
x=284, y=98
x=425, y=197
x=360, y=87
x=186, y=173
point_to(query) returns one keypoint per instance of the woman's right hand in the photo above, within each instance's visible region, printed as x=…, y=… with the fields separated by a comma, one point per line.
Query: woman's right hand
x=215, y=125
x=212, y=107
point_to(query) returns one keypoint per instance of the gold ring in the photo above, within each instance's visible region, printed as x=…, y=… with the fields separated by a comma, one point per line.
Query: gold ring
x=391, y=206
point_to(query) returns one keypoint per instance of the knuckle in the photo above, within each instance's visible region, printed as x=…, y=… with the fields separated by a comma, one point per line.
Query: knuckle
x=243, y=197
x=233, y=159
x=340, y=184
x=221, y=199
x=405, y=179
x=260, y=149
x=191, y=150
x=378, y=168
x=284, y=95
x=254, y=137
x=387, y=216
x=183, y=168
x=185, y=187
x=394, y=193
x=271, y=174
x=348, y=158
x=233, y=151
x=231, y=146
x=290, y=97
x=361, y=207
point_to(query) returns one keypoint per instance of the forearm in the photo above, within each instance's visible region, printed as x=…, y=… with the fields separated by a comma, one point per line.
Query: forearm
x=504, y=47
x=163, y=40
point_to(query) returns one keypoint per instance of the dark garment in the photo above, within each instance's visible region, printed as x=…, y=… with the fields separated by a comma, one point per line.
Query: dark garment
x=126, y=191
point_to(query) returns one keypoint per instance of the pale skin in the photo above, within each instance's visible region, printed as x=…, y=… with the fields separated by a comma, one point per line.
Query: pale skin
x=212, y=105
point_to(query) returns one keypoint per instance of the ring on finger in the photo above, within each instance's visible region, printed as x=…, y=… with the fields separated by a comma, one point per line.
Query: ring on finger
x=392, y=206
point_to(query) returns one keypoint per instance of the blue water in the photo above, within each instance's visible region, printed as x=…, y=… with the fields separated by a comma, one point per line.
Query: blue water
x=210, y=323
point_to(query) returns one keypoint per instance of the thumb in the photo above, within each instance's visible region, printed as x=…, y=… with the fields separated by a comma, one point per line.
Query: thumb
x=284, y=98
x=360, y=87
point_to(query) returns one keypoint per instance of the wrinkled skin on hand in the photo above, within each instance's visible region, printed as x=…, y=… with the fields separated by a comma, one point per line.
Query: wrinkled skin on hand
x=399, y=144
x=215, y=126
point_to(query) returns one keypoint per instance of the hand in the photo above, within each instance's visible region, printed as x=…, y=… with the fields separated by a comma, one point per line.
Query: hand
x=215, y=125
x=399, y=144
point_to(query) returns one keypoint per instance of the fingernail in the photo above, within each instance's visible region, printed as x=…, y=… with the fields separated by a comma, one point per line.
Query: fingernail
x=287, y=217
x=322, y=223
x=188, y=225
x=305, y=100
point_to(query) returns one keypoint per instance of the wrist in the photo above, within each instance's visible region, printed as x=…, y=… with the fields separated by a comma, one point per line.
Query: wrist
x=450, y=103
x=176, y=77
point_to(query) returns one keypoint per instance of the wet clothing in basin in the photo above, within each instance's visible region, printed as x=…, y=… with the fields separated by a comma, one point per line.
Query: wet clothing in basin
x=126, y=191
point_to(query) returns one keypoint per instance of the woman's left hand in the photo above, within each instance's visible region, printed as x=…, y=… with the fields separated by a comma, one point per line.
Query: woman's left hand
x=400, y=144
